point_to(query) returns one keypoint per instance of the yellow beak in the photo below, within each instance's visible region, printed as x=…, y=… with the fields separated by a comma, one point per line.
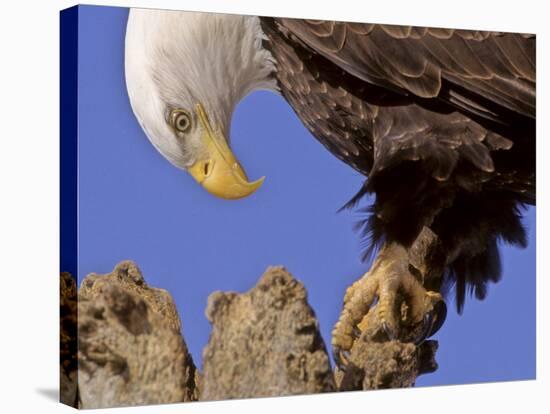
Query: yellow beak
x=219, y=172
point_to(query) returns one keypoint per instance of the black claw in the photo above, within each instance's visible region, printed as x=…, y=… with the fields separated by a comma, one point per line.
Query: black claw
x=440, y=314
x=432, y=322
x=390, y=332
x=341, y=358
x=427, y=324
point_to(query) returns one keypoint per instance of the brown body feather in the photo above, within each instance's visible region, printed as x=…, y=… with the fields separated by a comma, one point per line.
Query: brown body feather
x=442, y=122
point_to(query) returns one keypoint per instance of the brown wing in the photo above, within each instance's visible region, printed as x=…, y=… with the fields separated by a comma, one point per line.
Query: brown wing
x=477, y=71
x=441, y=121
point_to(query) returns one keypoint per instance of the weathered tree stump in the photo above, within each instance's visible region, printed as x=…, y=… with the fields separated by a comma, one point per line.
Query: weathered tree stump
x=264, y=342
x=130, y=347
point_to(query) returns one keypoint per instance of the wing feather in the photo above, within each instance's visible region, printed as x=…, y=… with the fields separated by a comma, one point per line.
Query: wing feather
x=497, y=68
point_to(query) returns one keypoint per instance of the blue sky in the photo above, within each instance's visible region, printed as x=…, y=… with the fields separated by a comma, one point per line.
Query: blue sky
x=134, y=205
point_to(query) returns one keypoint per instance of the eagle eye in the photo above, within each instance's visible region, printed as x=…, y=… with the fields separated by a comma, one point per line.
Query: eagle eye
x=180, y=120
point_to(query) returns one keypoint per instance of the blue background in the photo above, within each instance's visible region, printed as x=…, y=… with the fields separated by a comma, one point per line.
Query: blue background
x=134, y=205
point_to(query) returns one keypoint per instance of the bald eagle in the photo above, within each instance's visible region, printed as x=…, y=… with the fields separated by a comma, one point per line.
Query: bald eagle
x=440, y=122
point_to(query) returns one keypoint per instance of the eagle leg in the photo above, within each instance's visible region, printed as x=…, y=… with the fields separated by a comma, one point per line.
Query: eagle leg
x=388, y=303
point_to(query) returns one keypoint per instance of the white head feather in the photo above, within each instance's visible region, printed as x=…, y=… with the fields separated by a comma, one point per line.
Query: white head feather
x=177, y=59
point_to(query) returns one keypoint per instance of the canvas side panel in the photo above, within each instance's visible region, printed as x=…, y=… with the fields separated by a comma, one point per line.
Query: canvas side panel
x=68, y=204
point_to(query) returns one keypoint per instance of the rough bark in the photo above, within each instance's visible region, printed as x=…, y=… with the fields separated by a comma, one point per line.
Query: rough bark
x=130, y=347
x=67, y=341
x=265, y=342
x=378, y=364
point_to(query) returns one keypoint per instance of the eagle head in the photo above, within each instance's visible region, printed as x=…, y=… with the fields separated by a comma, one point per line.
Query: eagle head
x=185, y=74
